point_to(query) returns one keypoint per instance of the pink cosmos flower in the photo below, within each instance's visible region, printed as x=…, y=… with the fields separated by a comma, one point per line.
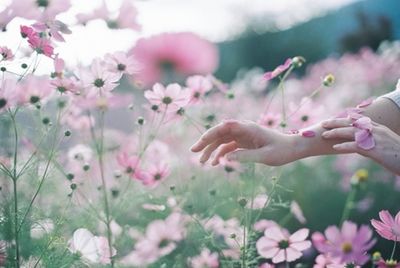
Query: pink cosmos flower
x=59, y=66
x=161, y=238
x=198, y=86
x=127, y=17
x=8, y=95
x=388, y=227
x=99, y=81
x=270, y=119
x=363, y=135
x=349, y=245
x=34, y=89
x=26, y=31
x=65, y=84
x=322, y=261
x=6, y=53
x=280, y=246
x=278, y=70
x=153, y=175
x=92, y=249
x=6, y=16
x=259, y=202
x=55, y=29
x=121, y=63
x=206, y=259
x=173, y=54
x=171, y=98
x=41, y=45
x=130, y=163
x=75, y=119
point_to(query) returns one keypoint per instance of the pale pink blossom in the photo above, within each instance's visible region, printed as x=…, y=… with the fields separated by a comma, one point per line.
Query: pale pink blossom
x=349, y=244
x=34, y=89
x=121, y=63
x=130, y=163
x=263, y=224
x=8, y=95
x=169, y=54
x=6, y=53
x=388, y=227
x=322, y=261
x=206, y=259
x=154, y=174
x=161, y=238
x=59, y=66
x=170, y=98
x=54, y=28
x=41, y=228
x=99, y=81
x=92, y=249
x=280, y=246
x=278, y=70
x=198, y=86
x=65, y=85
x=270, y=119
x=76, y=119
x=127, y=17
x=259, y=202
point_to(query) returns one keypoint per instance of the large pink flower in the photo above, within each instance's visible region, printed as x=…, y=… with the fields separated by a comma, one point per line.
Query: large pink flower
x=171, y=98
x=206, y=259
x=174, y=53
x=388, y=227
x=349, y=244
x=278, y=245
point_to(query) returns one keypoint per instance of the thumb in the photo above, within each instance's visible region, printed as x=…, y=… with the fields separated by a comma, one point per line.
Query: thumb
x=254, y=155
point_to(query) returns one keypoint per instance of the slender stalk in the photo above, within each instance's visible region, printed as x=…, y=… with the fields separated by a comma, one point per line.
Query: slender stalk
x=348, y=205
x=394, y=248
x=14, y=179
x=104, y=186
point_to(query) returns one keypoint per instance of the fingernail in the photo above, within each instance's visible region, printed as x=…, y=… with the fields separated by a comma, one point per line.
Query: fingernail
x=324, y=123
x=336, y=146
x=325, y=134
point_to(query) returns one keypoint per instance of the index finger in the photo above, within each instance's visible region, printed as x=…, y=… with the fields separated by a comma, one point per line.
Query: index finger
x=214, y=133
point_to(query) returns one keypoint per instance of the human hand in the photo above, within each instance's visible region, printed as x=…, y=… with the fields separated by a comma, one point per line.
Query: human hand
x=245, y=141
x=387, y=143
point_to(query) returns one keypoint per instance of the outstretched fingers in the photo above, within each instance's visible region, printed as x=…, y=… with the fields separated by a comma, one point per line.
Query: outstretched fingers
x=340, y=133
x=224, y=149
x=217, y=132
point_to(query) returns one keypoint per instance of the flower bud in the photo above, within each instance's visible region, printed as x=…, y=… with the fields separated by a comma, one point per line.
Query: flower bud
x=298, y=61
x=329, y=80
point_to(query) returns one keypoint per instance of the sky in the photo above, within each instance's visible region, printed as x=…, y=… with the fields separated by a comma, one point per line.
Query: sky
x=216, y=20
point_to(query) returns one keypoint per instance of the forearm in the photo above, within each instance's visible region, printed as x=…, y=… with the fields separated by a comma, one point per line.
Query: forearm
x=383, y=111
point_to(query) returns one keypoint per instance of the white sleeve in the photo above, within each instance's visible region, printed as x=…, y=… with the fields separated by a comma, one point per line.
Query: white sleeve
x=394, y=96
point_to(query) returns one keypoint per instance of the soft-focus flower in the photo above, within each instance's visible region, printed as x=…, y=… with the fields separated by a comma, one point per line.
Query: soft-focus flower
x=54, y=28
x=259, y=202
x=295, y=209
x=278, y=70
x=154, y=174
x=34, y=89
x=161, y=239
x=270, y=119
x=263, y=224
x=198, y=86
x=279, y=246
x=169, y=54
x=41, y=45
x=65, y=84
x=92, y=249
x=80, y=153
x=41, y=228
x=26, y=31
x=59, y=66
x=6, y=53
x=206, y=259
x=323, y=260
x=349, y=245
x=121, y=63
x=127, y=17
x=363, y=135
x=130, y=163
x=99, y=81
x=8, y=95
x=388, y=227
x=170, y=98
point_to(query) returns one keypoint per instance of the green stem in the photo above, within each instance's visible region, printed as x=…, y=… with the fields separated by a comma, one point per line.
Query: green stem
x=394, y=248
x=348, y=205
x=14, y=179
x=104, y=186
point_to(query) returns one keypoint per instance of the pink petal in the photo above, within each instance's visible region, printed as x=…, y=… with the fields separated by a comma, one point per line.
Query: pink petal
x=349, y=230
x=386, y=217
x=308, y=133
x=279, y=257
x=300, y=235
x=292, y=254
x=275, y=233
x=364, y=139
x=300, y=246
